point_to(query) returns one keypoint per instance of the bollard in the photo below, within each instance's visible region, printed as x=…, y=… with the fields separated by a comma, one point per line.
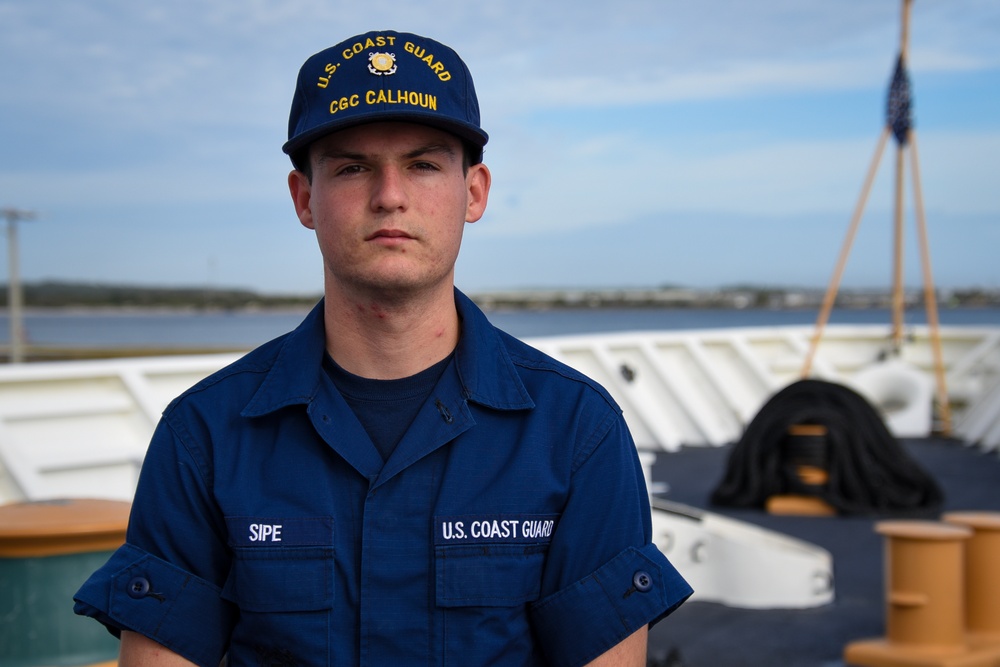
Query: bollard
x=47, y=550
x=982, y=576
x=925, y=601
x=804, y=450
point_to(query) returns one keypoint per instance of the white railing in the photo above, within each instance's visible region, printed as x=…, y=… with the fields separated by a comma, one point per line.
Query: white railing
x=80, y=429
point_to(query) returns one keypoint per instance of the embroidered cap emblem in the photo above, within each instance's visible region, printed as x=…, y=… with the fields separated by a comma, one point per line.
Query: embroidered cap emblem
x=382, y=64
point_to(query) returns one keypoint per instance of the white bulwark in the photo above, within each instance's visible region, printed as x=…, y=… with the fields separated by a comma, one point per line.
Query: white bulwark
x=80, y=428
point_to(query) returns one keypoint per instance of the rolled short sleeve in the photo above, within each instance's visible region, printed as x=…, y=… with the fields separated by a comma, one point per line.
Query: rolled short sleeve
x=635, y=588
x=137, y=591
x=604, y=578
x=166, y=581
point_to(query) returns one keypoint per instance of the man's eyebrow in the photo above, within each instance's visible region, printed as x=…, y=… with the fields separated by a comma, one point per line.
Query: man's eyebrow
x=430, y=149
x=420, y=151
x=336, y=153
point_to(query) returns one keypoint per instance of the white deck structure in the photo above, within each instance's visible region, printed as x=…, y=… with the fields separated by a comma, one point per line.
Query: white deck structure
x=702, y=387
x=80, y=428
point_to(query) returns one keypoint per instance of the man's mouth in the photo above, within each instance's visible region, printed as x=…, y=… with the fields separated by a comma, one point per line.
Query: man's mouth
x=390, y=235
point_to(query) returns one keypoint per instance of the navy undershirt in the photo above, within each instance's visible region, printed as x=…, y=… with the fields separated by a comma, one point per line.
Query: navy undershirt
x=385, y=408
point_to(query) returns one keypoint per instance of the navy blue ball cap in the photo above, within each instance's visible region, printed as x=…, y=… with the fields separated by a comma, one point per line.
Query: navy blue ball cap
x=383, y=76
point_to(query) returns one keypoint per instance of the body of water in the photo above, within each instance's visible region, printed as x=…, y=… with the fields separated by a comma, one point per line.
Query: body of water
x=243, y=330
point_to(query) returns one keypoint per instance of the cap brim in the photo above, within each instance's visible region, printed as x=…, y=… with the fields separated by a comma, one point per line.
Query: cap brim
x=464, y=131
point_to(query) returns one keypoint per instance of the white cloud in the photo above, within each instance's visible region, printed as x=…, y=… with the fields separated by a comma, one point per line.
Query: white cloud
x=614, y=178
x=113, y=105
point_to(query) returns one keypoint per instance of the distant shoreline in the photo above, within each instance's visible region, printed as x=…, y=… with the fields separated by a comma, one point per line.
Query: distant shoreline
x=112, y=311
x=72, y=297
x=100, y=332
x=488, y=307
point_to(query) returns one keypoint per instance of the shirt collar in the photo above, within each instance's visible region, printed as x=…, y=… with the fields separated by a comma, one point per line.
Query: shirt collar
x=486, y=373
x=295, y=373
x=485, y=369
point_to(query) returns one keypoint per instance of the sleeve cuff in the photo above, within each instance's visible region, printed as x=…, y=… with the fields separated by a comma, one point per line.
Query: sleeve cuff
x=140, y=592
x=635, y=588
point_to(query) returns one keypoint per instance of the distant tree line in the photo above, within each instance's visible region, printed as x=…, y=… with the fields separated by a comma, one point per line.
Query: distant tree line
x=55, y=294
x=974, y=297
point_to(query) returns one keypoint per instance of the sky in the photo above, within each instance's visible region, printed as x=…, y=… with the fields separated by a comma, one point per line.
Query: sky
x=633, y=143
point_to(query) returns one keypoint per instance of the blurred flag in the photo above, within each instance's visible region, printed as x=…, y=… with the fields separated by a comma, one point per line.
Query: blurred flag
x=898, y=109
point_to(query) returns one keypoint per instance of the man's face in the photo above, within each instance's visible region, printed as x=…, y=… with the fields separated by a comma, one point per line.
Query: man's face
x=389, y=202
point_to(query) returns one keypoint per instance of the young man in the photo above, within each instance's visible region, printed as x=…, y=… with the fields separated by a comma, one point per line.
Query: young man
x=395, y=482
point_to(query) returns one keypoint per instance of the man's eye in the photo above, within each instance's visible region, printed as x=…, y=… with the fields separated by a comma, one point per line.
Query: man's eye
x=350, y=169
x=424, y=166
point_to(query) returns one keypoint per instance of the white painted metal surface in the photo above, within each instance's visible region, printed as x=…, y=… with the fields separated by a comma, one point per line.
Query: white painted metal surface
x=81, y=428
x=741, y=565
x=701, y=388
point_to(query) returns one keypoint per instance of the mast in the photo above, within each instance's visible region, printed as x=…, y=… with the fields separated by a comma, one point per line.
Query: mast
x=899, y=123
x=899, y=119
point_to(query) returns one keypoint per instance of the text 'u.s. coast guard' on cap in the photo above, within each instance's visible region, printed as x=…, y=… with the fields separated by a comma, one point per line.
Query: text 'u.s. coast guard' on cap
x=383, y=76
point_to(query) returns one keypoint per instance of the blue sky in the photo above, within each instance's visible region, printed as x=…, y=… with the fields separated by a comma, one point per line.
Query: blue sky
x=633, y=142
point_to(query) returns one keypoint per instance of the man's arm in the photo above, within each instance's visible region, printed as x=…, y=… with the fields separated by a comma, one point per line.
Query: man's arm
x=630, y=652
x=140, y=651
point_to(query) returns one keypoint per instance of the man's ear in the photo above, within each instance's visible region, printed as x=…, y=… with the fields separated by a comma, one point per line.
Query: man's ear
x=301, y=190
x=477, y=182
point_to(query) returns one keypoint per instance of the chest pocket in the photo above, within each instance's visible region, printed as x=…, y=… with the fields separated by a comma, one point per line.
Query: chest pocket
x=290, y=572
x=488, y=575
x=490, y=561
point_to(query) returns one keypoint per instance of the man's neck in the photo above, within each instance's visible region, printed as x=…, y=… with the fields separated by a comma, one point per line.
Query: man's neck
x=387, y=339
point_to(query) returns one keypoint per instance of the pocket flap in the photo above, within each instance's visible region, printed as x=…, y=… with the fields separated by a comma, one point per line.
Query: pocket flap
x=488, y=575
x=292, y=579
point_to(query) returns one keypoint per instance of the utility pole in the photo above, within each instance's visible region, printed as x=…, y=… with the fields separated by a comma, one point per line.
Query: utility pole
x=14, y=301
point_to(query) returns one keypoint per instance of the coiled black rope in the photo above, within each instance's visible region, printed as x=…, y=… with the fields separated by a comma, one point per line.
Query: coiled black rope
x=869, y=471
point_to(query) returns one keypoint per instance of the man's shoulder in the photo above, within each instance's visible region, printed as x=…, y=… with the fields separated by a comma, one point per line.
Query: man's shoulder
x=538, y=368
x=237, y=381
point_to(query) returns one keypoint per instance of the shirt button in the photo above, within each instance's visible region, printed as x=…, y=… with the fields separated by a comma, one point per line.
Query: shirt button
x=138, y=588
x=642, y=581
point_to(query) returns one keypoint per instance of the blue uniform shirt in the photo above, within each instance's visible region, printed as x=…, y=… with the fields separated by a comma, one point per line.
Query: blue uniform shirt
x=510, y=526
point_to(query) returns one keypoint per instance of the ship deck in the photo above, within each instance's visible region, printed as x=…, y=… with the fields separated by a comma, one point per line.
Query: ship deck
x=708, y=634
